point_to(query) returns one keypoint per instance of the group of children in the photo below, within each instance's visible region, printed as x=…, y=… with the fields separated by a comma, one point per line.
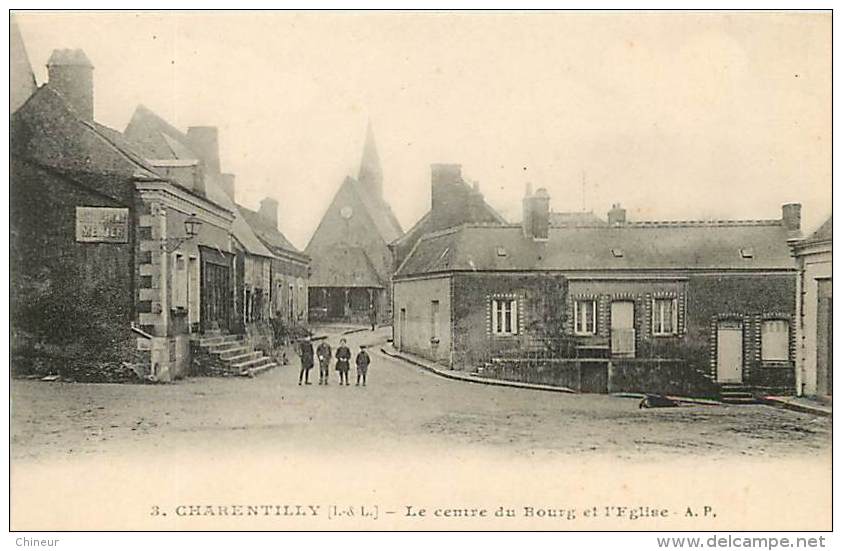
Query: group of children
x=324, y=353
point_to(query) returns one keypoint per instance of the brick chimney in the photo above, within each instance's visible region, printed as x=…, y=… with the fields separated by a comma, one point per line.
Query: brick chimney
x=536, y=214
x=71, y=74
x=617, y=215
x=227, y=181
x=443, y=178
x=204, y=141
x=791, y=216
x=269, y=211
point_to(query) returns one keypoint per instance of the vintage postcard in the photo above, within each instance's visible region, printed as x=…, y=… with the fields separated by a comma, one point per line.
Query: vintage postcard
x=452, y=270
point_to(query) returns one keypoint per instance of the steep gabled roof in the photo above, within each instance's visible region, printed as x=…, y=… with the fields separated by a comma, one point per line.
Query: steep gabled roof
x=381, y=213
x=824, y=233
x=46, y=131
x=269, y=235
x=344, y=266
x=158, y=139
x=21, y=77
x=760, y=245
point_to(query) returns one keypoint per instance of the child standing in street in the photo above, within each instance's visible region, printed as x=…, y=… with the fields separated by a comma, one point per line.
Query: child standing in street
x=343, y=359
x=363, y=360
x=324, y=354
x=305, y=350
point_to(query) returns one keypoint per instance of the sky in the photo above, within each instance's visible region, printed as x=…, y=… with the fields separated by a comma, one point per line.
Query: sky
x=674, y=115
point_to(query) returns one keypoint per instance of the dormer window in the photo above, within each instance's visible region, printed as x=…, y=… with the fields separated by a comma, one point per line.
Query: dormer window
x=747, y=252
x=501, y=251
x=617, y=253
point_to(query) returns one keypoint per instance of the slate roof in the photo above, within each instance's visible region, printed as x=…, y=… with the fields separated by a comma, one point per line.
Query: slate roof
x=633, y=246
x=47, y=131
x=356, y=269
x=425, y=225
x=576, y=219
x=269, y=235
x=21, y=77
x=824, y=233
x=158, y=139
x=381, y=213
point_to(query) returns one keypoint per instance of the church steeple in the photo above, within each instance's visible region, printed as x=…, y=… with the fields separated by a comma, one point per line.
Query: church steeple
x=371, y=175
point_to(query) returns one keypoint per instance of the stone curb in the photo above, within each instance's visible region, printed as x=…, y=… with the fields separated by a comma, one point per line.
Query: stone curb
x=800, y=408
x=456, y=376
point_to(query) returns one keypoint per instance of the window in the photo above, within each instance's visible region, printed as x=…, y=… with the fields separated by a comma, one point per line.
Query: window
x=434, y=320
x=179, y=291
x=584, y=315
x=504, y=316
x=291, y=302
x=774, y=340
x=665, y=316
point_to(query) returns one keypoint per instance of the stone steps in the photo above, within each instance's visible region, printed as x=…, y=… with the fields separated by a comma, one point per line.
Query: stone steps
x=225, y=355
x=736, y=394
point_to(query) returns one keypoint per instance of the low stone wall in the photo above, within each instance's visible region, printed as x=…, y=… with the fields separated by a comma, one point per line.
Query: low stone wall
x=656, y=376
x=566, y=373
x=773, y=380
x=652, y=376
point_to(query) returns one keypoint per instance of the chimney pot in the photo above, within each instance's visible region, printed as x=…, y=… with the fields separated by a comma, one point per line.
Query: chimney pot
x=617, y=215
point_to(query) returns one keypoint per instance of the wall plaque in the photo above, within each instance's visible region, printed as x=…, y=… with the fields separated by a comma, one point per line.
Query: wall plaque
x=102, y=225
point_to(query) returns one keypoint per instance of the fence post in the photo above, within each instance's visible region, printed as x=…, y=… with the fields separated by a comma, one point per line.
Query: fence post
x=609, y=383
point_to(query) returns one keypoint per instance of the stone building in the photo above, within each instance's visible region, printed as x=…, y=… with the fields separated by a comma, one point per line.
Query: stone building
x=104, y=271
x=247, y=282
x=680, y=306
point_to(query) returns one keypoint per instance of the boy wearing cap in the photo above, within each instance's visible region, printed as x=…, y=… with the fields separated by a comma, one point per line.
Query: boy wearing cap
x=362, y=361
x=343, y=359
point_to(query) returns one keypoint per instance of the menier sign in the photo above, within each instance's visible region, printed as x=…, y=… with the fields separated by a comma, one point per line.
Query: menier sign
x=102, y=225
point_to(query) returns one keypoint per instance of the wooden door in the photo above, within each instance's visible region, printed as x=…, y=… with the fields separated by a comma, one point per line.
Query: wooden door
x=622, y=329
x=216, y=294
x=729, y=352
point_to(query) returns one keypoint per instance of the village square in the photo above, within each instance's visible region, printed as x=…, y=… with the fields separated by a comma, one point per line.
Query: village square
x=151, y=308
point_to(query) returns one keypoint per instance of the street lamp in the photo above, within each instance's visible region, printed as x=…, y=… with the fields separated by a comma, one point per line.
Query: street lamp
x=191, y=229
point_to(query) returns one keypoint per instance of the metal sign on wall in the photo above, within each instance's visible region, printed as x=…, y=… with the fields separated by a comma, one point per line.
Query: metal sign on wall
x=102, y=225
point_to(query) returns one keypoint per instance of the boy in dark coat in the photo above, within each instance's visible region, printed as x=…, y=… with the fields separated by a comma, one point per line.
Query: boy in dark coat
x=305, y=350
x=324, y=354
x=343, y=359
x=363, y=360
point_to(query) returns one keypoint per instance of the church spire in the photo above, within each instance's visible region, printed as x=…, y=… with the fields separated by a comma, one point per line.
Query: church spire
x=371, y=175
